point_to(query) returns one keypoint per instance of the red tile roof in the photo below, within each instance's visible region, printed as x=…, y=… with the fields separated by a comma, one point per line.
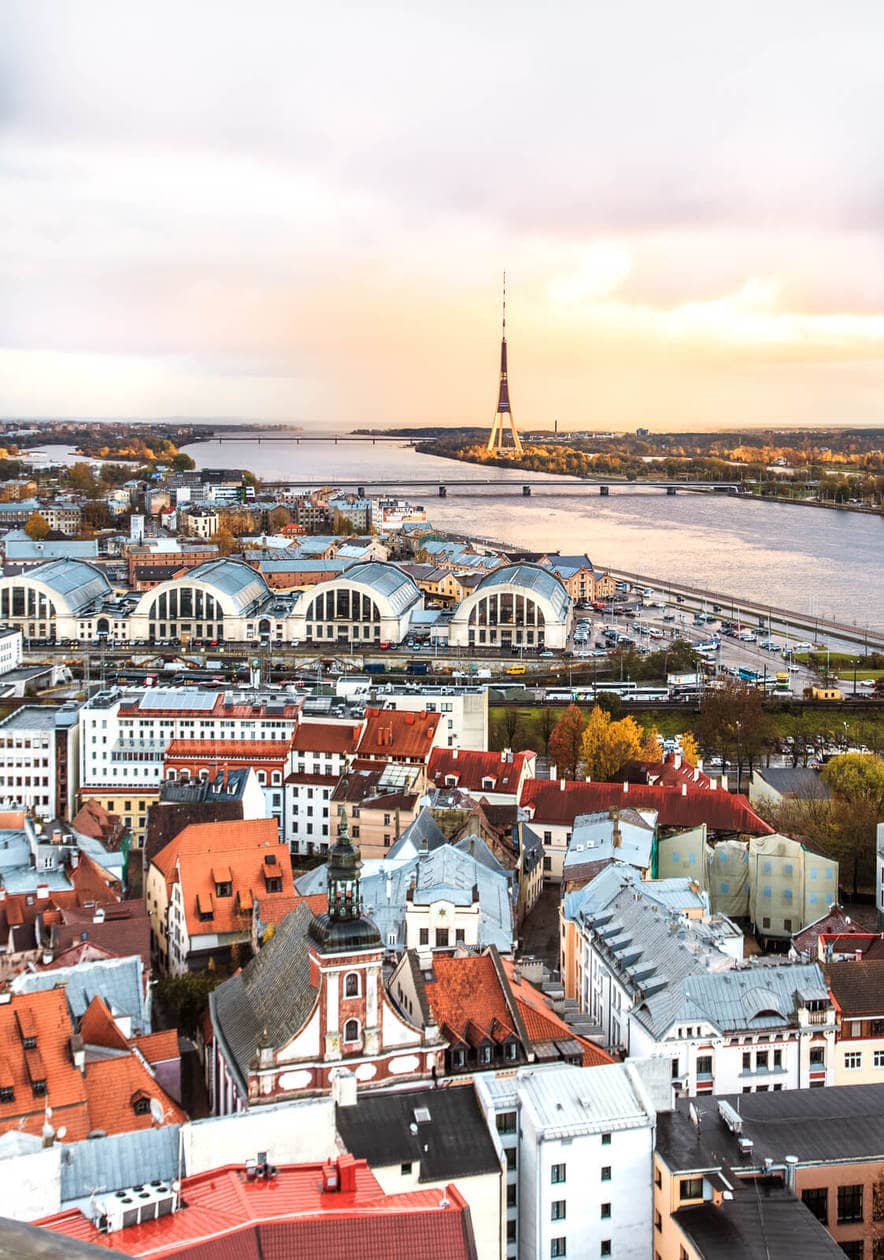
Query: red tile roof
x=543, y=1024
x=672, y=771
x=468, y=1000
x=158, y=1047
x=215, y=752
x=559, y=801
x=393, y=733
x=65, y=1093
x=476, y=771
x=292, y=1216
x=330, y=737
x=99, y=1028
x=113, y=1086
x=272, y=910
x=193, y=859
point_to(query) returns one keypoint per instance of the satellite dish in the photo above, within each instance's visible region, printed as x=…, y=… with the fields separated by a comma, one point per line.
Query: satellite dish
x=156, y=1111
x=61, y=1132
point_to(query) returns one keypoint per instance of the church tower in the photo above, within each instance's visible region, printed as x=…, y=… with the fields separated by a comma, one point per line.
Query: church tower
x=504, y=414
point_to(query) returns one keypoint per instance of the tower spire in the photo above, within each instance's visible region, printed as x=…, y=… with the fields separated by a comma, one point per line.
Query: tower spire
x=504, y=411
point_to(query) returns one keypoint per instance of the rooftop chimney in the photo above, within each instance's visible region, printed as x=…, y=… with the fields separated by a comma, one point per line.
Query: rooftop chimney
x=684, y=789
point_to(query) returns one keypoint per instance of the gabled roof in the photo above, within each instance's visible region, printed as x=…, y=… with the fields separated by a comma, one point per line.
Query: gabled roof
x=274, y=992
x=476, y=771
x=48, y=1016
x=113, y=1086
x=470, y=1001
x=541, y=1022
x=857, y=987
x=119, y=981
x=292, y=1216
x=202, y=839
x=559, y=801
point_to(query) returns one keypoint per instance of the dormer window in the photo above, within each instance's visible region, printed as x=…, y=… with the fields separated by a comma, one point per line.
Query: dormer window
x=224, y=890
x=7, y=1093
x=140, y=1103
x=205, y=907
x=488, y=782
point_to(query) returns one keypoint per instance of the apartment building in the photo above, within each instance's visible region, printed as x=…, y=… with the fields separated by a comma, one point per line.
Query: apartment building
x=39, y=759
x=823, y=1148
x=577, y=1145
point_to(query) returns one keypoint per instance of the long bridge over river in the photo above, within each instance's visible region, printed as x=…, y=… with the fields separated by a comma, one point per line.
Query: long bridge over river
x=526, y=486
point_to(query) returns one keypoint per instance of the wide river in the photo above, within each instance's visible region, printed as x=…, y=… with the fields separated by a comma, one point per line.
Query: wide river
x=825, y=563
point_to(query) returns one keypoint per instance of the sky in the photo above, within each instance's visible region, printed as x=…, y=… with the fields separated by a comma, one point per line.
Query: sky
x=301, y=212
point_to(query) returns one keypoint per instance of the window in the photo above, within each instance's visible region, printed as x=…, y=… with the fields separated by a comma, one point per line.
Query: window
x=424, y=936
x=850, y=1204
x=405, y=1169
x=658, y=1222
x=484, y=1054
x=351, y=984
x=690, y=1188
x=510, y=1159
x=511, y=1195
x=7, y=1093
x=606, y=1173
x=441, y=938
x=879, y=1058
x=351, y=1030
x=459, y=936
x=854, y=1250
x=761, y=1061
x=606, y=1211
x=557, y=1247
x=557, y=1174
x=141, y=1106
x=658, y=1178
x=605, y=1248
x=816, y=1200
x=853, y=1060
x=704, y=1065
x=747, y=1062
x=558, y=1210
x=511, y=1231
x=606, y=1139
x=778, y=1058
x=817, y=1056
x=506, y=1122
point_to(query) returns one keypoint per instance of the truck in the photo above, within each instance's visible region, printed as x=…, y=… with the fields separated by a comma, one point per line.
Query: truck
x=417, y=667
x=375, y=667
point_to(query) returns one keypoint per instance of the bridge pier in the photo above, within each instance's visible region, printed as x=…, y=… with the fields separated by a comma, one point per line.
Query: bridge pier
x=526, y=491
x=360, y=490
x=670, y=490
x=443, y=492
x=603, y=491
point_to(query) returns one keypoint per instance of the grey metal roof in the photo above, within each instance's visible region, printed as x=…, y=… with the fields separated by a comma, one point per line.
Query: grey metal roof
x=447, y=872
x=397, y=588
x=76, y=582
x=759, y=996
x=592, y=839
x=273, y=992
x=798, y=781
x=120, y=981
x=533, y=579
x=575, y=1100
x=238, y=581
x=118, y=1161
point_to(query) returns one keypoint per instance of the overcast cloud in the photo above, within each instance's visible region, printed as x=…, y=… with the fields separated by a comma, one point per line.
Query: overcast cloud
x=301, y=212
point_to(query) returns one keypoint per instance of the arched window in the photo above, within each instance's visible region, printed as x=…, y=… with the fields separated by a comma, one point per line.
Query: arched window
x=351, y=984
x=351, y=1030
x=171, y=773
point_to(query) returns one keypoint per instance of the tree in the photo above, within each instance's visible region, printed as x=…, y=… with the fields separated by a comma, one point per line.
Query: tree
x=734, y=724
x=651, y=744
x=278, y=518
x=690, y=749
x=855, y=777
x=37, y=527
x=224, y=541
x=546, y=721
x=96, y=515
x=82, y=479
x=508, y=726
x=565, y=741
x=188, y=996
x=183, y=462
x=607, y=745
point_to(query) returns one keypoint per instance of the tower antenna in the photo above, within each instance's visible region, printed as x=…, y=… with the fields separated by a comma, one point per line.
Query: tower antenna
x=504, y=414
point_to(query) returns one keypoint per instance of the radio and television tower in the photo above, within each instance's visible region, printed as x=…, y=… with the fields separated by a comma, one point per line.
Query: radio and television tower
x=504, y=413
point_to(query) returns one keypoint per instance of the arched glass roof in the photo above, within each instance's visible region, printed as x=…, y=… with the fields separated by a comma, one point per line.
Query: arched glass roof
x=238, y=581
x=76, y=582
x=532, y=579
x=397, y=588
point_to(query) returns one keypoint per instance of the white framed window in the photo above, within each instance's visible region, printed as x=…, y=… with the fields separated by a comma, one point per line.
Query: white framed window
x=853, y=1060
